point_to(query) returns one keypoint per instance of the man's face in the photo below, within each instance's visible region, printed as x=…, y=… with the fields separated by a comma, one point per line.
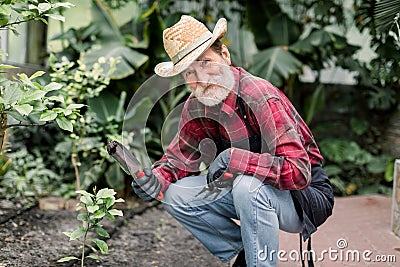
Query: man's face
x=210, y=77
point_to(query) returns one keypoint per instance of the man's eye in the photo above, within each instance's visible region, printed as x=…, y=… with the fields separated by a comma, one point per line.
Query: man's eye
x=204, y=63
x=188, y=74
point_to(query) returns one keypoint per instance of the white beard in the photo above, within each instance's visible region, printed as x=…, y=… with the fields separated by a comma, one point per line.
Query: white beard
x=218, y=88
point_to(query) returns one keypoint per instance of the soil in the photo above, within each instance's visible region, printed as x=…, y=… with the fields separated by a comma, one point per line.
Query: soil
x=145, y=236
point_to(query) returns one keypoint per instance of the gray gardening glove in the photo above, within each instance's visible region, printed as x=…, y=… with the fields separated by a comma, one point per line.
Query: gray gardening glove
x=216, y=170
x=147, y=187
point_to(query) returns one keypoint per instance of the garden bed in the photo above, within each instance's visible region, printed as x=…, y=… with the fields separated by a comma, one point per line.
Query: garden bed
x=145, y=236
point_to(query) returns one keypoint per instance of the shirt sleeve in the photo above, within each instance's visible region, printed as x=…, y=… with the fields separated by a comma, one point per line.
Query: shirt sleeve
x=183, y=155
x=286, y=164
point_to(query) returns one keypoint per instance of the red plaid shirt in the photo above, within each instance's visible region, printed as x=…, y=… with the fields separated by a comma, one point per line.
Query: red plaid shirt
x=288, y=147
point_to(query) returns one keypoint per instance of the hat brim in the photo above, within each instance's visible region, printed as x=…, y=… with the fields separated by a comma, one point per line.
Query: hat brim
x=168, y=69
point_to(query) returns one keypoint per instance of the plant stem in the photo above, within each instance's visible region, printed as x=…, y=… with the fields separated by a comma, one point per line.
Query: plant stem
x=74, y=156
x=84, y=242
x=25, y=125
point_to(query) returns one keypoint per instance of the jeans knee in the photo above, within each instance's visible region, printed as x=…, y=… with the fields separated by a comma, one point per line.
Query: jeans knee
x=178, y=212
x=245, y=187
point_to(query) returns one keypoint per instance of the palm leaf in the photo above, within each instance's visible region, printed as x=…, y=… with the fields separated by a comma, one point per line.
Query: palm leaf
x=275, y=65
x=386, y=12
x=112, y=45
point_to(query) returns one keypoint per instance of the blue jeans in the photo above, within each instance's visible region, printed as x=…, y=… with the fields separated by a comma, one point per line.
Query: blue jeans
x=261, y=209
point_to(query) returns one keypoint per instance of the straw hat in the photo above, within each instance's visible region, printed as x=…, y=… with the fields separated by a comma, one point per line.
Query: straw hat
x=185, y=41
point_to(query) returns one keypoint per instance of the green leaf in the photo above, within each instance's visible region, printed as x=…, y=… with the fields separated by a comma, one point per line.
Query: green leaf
x=52, y=87
x=116, y=212
x=75, y=106
x=137, y=113
x=24, y=109
x=5, y=10
x=100, y=231
x=57, y=98
x=67, y=234
x=64, y=124
x=110, y=202
x=332, y=170
x=84, y=193
x=67, y=112
x=69, y=258
x=385, y=13
x=110, y=217
x=24, y=79
x=3, y=101
x=105, y=106
x=56, y=17
x=99, y=214
x=112, y=45
x=389, y=172
x=93, y=256
x=359, y=126
x=16, y=115
x=60, y=4
x=3, y=67
x=37, y=74
x=340, y=151
x=275, y=65
x=339, y=184
x=284, y=30
x=82, y=217
x=12, y=92
x=48, y=115
x=102, y=245
x=87, y=200
x=92, y=248
x=43, y=7
x=92, y=209
x=105, y=193
x=378, y=164
x=32, y=96
x=315, y=103
x=78, y=233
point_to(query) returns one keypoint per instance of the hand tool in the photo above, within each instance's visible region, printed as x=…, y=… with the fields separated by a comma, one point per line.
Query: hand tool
x=215, y=187
x=127, y=161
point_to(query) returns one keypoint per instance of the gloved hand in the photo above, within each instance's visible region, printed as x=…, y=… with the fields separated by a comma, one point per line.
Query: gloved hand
x=147, y=187
x=217, y=169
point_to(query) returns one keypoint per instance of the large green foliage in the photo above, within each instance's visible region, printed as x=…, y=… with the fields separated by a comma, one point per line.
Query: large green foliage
x=111, y=44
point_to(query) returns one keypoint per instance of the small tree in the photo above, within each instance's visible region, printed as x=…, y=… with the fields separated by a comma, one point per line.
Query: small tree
x=96, y=207
x=24, y=98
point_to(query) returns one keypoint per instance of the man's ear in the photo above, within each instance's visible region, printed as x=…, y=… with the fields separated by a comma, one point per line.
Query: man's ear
x=225, y=54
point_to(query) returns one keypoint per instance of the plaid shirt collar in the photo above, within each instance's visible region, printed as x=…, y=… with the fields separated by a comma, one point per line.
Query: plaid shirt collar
x=227, y=106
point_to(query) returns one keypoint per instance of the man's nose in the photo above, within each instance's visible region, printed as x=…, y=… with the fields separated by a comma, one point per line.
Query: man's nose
x=202, y=78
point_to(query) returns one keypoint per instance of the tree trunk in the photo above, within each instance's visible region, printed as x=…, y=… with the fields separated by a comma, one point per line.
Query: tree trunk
x=3, y=128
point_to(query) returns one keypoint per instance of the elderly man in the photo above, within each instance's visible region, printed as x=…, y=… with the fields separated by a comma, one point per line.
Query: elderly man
x=264, y=164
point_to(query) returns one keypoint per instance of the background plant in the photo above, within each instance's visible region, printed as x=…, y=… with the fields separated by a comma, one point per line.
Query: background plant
x=100, y=122
x=96, y=207
x=28, y=176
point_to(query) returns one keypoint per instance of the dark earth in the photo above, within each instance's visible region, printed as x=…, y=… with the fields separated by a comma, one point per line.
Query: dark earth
x=145, y=236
